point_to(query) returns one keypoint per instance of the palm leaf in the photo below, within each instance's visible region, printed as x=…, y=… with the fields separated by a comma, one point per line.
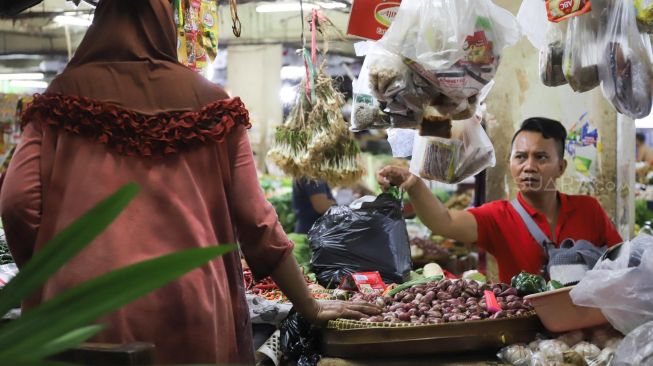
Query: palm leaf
x=88, y=301
x=64, y=246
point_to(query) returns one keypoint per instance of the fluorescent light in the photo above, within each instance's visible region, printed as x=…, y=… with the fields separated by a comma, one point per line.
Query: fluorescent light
x=292, y=72
x=23, y=76
x=331, y=5
x=74, y=21
x=284, y=7
x=32, y=84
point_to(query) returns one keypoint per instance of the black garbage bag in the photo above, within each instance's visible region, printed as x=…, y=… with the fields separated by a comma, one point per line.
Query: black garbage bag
x=371, y=238
x=300, y=341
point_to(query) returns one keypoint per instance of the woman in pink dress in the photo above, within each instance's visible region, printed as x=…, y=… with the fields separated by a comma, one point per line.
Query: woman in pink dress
x=125, y=110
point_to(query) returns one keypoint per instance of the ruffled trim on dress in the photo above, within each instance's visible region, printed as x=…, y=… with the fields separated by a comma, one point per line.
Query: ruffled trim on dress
x=135, y=134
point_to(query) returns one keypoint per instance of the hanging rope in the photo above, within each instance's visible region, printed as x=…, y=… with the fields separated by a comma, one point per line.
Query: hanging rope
x=235, y=26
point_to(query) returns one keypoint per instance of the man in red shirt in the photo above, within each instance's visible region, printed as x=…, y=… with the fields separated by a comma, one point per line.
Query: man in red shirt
x=536, y=162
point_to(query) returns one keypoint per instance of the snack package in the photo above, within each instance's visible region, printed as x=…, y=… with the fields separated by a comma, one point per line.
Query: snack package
x=551, y=56
x=465, y=154
x=366, y=111
x=559, y=10
x=209, y=27
x=581, y=56
x=644, y=10
x=624, y=62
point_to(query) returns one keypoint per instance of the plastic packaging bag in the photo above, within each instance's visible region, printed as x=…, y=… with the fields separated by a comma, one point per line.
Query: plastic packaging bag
x=636, y=348
x=300, y=341
x=623, y=293
x=581, y=55
x=401, y=141
x=551, y=56
x=387, y=74
x=366, y=112
x=516, y=354
x=624, y=63
x=468, y=152
x=371, y=238
x=533, y=22
x=559, y=10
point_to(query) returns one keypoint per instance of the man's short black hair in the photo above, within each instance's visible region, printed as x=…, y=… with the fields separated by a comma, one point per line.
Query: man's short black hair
x=549, y=128
x=640, y=137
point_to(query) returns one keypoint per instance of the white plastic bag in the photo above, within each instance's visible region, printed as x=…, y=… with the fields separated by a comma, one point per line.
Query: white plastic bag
x=365, y=110
x=581, y=55
x=637, y=348
x=624, y=63
x=401, y=141
x=532, y=19
x=467, y=153
x=621, y=288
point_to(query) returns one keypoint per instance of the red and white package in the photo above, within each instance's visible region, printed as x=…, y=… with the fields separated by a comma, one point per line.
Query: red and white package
x=559, y=10
x=364, y=282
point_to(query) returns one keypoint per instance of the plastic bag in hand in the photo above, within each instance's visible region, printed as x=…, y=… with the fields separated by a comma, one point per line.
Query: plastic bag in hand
x=636, y=348
x=581, y=56
x=467, y=153
x=370, y=238
x=624, y=61
x=623, y=293
x=551, y=56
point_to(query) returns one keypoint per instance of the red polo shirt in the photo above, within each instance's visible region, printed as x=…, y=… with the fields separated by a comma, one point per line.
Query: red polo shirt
x=502, y=232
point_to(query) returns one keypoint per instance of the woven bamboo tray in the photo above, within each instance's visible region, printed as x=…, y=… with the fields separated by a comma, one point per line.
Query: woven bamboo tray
x=354, y=339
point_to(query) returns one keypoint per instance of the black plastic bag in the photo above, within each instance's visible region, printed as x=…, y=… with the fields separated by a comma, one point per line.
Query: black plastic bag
x=300, y=341
x=371, y=238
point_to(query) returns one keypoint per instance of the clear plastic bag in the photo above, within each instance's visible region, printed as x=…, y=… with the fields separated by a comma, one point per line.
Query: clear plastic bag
x=624, y=293
x=534, y=22
x=365, y=111
x=551, y=56
x=636, y=348
x=468, y=152
x=387, y=76
x=624, y=63
x=581, y=55
x=516, y=354
x=401, y=141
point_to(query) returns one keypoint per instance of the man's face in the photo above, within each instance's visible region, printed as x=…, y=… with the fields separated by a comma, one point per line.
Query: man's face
x=534, y=162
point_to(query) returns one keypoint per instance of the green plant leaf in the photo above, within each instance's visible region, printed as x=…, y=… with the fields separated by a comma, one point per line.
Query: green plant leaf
x=64, y=246
x=88, y=301
x=66, y=341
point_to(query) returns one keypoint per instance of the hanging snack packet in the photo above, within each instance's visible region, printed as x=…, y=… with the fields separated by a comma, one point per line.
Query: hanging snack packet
x=624, y=64
x=581, y=54
x=209, y=27
x=551, y=56
x=559, y=10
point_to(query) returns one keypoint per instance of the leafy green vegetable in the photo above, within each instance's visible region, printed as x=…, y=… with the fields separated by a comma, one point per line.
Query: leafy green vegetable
x=642, y=213
x=527, y=283
x=553, y=285
x=302, y=250
x=394, y=192
x=283, y=206
x=410, y=284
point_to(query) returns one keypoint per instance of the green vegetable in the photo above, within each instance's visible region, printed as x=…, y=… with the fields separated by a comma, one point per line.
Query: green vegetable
x=527, y=283
x=302, y=250
x=553, y=285
x=394, y=192
x=642, y=213
x=414, y=275
x=410, y=284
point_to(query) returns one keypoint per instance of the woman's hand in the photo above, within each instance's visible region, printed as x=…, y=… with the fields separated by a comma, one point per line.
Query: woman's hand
x=331, y=310
x=396, y=176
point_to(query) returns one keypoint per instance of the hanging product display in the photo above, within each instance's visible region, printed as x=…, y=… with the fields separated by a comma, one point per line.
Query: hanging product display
x=197, y=32
x=580, y=58
x=314, y=141
x=551, y=56
x=625, y=62
x=559, y=10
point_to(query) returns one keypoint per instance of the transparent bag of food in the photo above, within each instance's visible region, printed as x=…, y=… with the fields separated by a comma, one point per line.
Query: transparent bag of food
x=624, y=61
x=467, y=153
x=387, y=74
x=551, y=56
x=365, y=110
x=581, y=54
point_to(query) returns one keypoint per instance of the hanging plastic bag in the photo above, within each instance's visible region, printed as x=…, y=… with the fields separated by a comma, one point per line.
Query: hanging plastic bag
x=559, y=10
x=621, y=288
x=533, y=22
x=644, y=10
x=371, y=238
x=387, y=74
x=468, y=152
x=636, y=348
x=551, y=56
x=401, y=141
x=365, y=111
x=581, y=55
x=624, y=63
